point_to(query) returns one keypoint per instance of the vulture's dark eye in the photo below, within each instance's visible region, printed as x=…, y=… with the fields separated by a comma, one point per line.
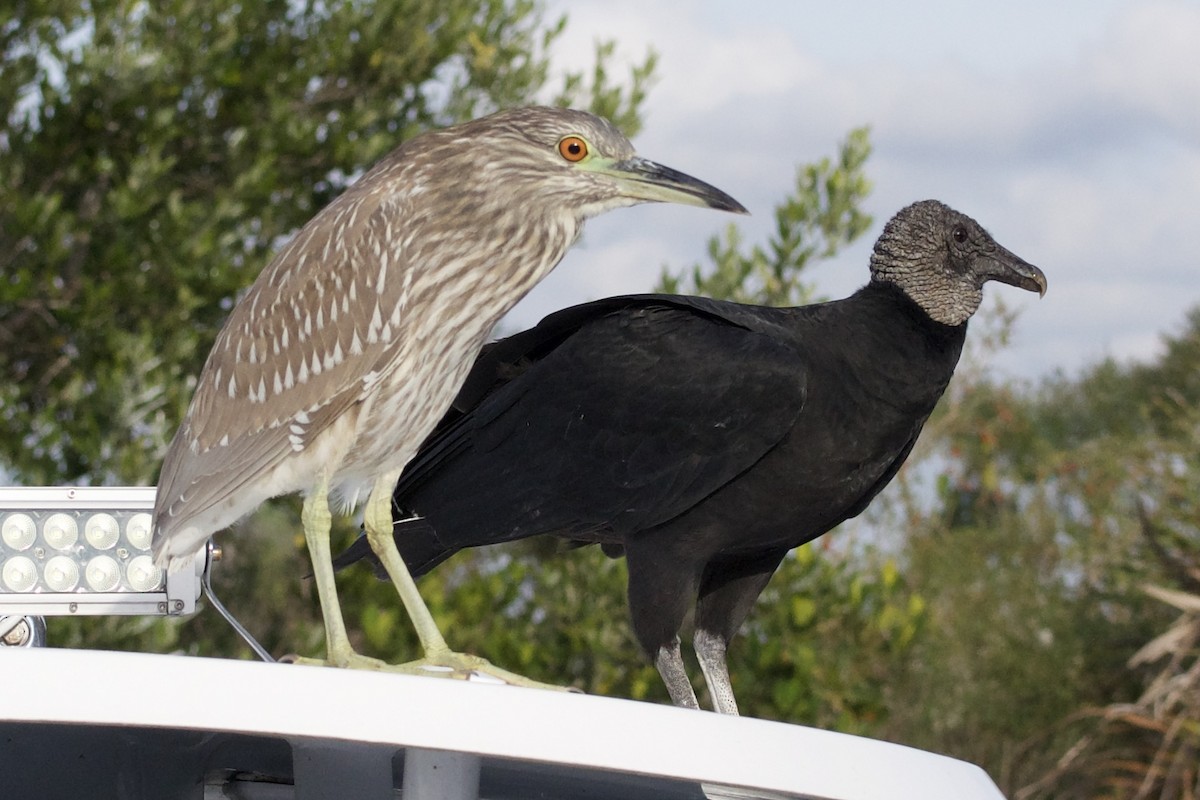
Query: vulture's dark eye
x=960, y=234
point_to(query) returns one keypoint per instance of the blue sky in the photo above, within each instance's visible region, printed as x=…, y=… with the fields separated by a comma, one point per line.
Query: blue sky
x=1070, y=130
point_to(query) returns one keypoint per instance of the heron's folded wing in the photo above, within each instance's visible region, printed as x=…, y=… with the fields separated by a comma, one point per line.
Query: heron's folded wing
x=297, y=353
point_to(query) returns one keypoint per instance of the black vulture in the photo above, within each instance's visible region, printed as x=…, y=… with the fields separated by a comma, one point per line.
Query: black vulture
x=702, y=439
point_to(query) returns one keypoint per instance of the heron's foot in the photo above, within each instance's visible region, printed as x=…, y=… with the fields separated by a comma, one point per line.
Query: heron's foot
x=444, y=664
x=466, y=667
x=349, y=660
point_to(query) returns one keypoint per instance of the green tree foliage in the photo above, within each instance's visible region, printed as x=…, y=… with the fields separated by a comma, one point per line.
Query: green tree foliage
x=1033, y=558
x=154, y=155
x=152, y=167
x=821, y=216
x=815, y=649
x=1147, y=748
x=152, y=158
x=819, y=646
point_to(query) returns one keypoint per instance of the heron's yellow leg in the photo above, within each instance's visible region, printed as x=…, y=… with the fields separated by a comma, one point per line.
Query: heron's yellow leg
x=439, y=658
x=377, y=519
x=317, y=522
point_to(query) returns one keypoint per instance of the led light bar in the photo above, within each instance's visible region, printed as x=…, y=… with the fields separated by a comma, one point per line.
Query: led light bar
x=73, y=550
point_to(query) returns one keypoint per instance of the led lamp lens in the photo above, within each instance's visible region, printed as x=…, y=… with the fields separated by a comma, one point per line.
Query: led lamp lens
x=62, y=574
x=19, y=574
x=103, y=573
x=87, y=550
x=137, y=531
x=142, y=575
x=18, y=531
x=102, y=531
x=112, y=555
x=60, y=531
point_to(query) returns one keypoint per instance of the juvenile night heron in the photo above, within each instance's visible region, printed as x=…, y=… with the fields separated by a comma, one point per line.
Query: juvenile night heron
x=347, y=349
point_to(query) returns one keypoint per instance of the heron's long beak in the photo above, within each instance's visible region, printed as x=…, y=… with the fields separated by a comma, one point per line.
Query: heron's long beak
x=1009, y=268
x=646, y=180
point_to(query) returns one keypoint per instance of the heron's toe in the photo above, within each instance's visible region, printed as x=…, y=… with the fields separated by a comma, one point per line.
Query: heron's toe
x=464, y=666
x=349, y=660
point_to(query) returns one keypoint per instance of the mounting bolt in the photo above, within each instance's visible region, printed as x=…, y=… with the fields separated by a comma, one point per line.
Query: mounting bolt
x=23, y=632
x=19, y=634
x=218, y=552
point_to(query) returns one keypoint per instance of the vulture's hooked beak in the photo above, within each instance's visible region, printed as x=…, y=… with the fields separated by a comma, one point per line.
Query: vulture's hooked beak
x=1010, y=268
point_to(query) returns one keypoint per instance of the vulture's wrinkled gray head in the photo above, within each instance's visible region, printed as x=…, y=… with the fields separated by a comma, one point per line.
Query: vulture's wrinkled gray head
x=941, y=259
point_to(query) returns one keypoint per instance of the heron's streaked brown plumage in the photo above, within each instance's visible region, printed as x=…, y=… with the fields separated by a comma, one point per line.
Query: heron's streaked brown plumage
x=350, y=345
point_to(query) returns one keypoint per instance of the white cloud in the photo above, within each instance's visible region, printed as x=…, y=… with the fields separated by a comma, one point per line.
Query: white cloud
x=1149, y=64
x=1071, y=132
x=708, y=66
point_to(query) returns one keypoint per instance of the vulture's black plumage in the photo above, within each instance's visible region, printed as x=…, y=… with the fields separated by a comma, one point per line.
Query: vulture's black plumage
x=702, y=439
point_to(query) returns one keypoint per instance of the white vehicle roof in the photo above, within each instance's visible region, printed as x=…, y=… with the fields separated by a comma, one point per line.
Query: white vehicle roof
x=135, y=725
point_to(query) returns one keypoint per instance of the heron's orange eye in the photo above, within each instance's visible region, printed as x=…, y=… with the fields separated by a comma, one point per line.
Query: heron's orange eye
x=572, y=148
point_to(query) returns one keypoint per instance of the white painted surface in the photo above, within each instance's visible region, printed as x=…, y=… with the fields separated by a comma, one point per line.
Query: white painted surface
x=50, y=685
